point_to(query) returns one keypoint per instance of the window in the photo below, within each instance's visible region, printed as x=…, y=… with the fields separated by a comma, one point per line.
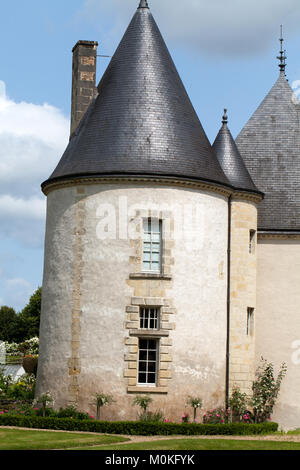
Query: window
x=250, y=321
x=149, y=318
x=252, y=237
x=148, y=353
x=152, y=245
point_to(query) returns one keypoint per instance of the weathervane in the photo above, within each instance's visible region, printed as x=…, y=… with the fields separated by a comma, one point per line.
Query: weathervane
x=225, y=117
x=282, y=57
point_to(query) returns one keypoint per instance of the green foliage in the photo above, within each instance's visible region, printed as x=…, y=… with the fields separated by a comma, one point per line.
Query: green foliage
x=29, y=317
x=24, y=325
x=101, y=399
x=195, y=403
x=138, y=428
x=45, y=399
x=8, y=319
x=238, y=404
x=71, y=412
x=265, y=390
x=216, y=416
x=152, y=417
x=143, y=402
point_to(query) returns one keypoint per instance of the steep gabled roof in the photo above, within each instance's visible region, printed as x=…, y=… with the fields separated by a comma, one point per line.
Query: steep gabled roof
x=270, y=147
x=142, y=122
x=230, y=159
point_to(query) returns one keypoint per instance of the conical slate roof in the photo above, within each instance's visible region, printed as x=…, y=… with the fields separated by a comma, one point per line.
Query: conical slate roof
x=270, y=147
x=231, y=161
x=142, y=122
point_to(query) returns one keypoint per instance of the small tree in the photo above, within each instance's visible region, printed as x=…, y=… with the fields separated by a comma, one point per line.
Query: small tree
x=143, y=402
x=265, y=390
x=102, y=400
x=195, y=403
x=238, y=403
x=45, y=400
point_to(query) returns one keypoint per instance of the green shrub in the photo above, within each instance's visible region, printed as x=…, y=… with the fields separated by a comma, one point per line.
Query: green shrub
x=152, y=417
x=140, y=428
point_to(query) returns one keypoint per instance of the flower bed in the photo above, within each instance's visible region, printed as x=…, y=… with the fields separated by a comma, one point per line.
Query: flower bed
x=137, y=427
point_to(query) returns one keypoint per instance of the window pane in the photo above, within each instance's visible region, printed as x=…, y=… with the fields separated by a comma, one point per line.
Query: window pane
x=152, y=344
x=152, y=367
x=142, y=378
x=151, y=378
x=143, y=344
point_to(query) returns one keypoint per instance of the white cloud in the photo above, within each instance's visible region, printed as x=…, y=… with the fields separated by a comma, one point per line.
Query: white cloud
x=32, y=140
x=215, y=27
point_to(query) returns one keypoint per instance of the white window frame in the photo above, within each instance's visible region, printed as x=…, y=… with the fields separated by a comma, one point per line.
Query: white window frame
x=147, y=361
x=148, y=315
x=154, y=240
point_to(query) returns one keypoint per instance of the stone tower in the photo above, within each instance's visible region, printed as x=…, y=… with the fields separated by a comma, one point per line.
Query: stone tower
x=136, y=281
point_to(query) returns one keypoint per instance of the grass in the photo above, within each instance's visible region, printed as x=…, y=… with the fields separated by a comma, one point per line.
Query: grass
x=205, y=444
x=17, y=439
x=20, y=439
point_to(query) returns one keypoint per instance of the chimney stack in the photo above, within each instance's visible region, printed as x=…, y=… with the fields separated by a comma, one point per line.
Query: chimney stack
x=83, y=80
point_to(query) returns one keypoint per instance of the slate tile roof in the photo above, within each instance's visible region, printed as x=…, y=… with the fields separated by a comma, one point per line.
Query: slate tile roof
x=270, y=147
x=142, y=122
x=231, y=161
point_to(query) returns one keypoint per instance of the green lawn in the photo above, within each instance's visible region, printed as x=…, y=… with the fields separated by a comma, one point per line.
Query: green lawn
x=17, y=439
x=205, y=444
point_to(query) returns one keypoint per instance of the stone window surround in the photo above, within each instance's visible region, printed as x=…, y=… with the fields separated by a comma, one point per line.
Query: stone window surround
x=167, y=261
x=162, y=335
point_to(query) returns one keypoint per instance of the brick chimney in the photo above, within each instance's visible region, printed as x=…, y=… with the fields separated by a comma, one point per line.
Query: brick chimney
x=83, y=80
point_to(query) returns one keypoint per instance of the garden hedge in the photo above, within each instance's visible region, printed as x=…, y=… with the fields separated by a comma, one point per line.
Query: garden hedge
x=138, y=428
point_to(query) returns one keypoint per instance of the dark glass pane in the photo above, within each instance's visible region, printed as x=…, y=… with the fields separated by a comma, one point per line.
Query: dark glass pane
x=152, y=344
x=143, y=366
x=151, y=378
x=143, y=355
x=152, y=366
x=152, y=356
x=143, y=344
x=142, y=378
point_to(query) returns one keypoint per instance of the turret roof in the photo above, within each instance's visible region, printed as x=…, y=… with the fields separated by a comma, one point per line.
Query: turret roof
x=142, y=122
x=230, y=159
x=270, y=147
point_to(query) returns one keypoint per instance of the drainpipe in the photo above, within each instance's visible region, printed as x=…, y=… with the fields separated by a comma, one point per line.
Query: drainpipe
x=228, y=301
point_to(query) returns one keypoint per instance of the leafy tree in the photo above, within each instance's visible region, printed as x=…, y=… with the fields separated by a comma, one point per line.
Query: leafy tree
x=8, y=318
x=29, y=317
x=143, y=402
x=102, y=400
x=195, y=403
x=265, y=390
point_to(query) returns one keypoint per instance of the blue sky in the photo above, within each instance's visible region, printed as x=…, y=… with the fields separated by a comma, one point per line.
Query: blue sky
x=225, y=53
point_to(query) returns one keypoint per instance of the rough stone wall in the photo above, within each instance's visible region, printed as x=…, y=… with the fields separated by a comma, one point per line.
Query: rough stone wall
x=278, y=319
x=243, y=294
x=92, y=288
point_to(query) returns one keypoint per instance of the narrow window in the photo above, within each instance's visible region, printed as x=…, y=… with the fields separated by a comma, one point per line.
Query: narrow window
x=250, y=321
x=149, y=318
x=252, y=237
x=152, y=245
x=148, y=354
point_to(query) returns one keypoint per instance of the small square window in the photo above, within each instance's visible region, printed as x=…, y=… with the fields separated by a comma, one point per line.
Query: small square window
x=149, y=318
